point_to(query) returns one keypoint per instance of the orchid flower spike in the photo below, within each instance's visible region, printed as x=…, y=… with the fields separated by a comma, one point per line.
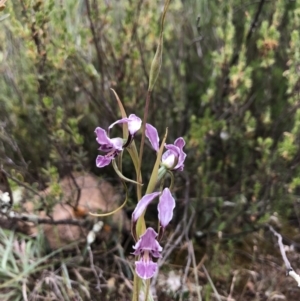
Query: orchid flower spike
x=174, y=157
x=114, y=146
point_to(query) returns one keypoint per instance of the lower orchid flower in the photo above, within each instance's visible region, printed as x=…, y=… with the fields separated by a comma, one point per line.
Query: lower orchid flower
x=147, y=246
x=114, y=146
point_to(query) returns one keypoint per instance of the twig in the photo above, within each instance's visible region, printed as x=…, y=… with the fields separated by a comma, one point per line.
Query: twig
x=98, y=287
x=77, y=188
x=185, y=275
x=289, y=269
x=192, y=252
x=21, y=183
x=24, y=291
x=211, y=283
x=234, y=278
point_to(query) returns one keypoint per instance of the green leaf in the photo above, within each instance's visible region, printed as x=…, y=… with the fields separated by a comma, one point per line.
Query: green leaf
x=114, y=164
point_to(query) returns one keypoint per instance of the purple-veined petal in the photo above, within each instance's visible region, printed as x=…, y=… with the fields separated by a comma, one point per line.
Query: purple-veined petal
x=142, y=205
x=152, y=135
x=148, y=242
x=102, y=161
x=145, y=269
x=165, y=207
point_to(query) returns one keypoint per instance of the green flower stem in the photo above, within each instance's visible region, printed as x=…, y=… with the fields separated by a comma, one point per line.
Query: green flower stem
x=139, y=189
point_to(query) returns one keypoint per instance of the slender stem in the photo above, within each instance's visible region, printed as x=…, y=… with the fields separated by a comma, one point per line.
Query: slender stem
x=147, y=289
x=141, y=221
x=143, y=133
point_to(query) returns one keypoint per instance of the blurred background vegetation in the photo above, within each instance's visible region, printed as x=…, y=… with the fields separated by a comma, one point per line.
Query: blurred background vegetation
x=229, y=84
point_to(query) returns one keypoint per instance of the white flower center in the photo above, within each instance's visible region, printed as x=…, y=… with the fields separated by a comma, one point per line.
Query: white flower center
x=169, y=161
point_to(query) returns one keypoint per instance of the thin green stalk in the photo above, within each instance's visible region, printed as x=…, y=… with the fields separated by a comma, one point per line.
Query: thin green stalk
x=143, y=138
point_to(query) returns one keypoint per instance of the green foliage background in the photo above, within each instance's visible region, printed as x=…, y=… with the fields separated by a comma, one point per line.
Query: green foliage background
x=229, y=84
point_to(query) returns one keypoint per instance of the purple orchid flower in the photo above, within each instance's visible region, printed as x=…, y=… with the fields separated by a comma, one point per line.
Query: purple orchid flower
x=148, y=247
x=113, y=146
x=173, y=158
x=134, y=123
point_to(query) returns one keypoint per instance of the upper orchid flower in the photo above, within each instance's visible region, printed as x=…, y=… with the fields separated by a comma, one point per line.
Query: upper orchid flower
x=174, y=157
x=113, y=146
x=148, y=246
x=134, y=123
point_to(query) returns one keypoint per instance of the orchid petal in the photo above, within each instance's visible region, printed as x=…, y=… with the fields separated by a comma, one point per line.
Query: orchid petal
x=117, y=143
x=168, y=159
x=142, y=205
x=176, y=150
x=171, y=156
x=102, y=137
x=148, y=242
x=102, y=161
x=134, y=123
x=152, y=135
x=145, y=269
x=173, y=148
x=123, y=120
x=165, y=207
x=179, y=142
x=106, y=143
